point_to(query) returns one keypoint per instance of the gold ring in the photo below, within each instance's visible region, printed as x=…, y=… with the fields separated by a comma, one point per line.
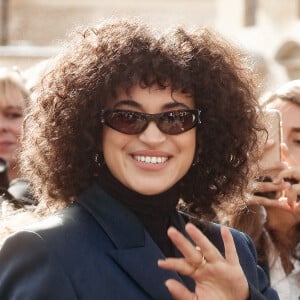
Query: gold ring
x=202, y=263
x=198, y=248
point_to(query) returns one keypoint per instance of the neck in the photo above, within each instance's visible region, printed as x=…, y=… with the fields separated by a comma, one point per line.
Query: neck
x=161, y=203
x=154, y=212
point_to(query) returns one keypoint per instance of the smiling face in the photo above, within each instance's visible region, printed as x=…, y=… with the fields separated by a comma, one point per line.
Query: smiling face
x=150, y=162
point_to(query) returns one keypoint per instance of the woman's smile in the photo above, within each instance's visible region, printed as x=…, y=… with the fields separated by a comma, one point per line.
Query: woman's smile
x=151, y=160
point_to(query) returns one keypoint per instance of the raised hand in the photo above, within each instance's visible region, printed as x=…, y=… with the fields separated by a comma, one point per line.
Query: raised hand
x=206, y=265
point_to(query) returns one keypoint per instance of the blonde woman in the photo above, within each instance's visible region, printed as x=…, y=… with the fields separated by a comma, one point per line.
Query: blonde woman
x=14, y=193
x=13, y=100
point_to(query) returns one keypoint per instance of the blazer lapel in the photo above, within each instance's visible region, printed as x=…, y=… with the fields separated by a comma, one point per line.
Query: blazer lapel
x=141, y=265
x=135, y=251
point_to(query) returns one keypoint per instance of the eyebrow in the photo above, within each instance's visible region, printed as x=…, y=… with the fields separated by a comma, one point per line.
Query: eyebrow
x=137, y=105
x=295, y=129
x=127, y=102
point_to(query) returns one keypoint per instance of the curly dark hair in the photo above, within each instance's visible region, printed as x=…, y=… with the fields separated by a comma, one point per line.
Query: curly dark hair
x=62, y=131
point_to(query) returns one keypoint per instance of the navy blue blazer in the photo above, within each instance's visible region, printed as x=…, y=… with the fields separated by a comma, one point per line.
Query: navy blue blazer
x=97, y=249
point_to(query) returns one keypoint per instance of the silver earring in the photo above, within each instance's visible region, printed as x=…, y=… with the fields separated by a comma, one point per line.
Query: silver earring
x=99, y=159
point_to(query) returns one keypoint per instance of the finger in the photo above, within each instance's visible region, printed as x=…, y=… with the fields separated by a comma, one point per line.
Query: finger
x=288, y=173
x=291, y=196
x=263, y=201
x=284, y=203
x=178, y=291
x=297, y=210
x=229, y=246
x=261, y=186
x=180, y=265
x=265, y=167
x=185, y=246
x=296, y=188
x=209, y=251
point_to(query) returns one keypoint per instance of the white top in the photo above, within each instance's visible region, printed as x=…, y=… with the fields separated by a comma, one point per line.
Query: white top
x=287, y=287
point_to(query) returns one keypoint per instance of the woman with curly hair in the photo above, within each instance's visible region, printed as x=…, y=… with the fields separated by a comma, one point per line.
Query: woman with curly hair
x=126, y=123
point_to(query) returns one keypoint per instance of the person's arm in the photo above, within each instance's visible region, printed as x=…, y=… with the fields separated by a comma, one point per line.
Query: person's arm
x=29, y=272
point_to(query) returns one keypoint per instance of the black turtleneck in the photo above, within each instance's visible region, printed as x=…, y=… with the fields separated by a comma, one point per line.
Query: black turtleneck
x=153, y=211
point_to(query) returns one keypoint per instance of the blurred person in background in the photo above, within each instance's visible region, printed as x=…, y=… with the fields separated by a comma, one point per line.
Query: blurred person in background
x=273, y=221
x=125, y=124
x=13, y=101
x=34, y=74
x=287, y=100
x=14, y=190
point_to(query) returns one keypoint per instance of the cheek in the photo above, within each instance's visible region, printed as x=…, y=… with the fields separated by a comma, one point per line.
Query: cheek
x=108, y=142
x=113, y=144
x=187, y=144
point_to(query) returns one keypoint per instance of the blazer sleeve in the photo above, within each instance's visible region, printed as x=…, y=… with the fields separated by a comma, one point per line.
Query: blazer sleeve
x=28, y=271
x=261, y=290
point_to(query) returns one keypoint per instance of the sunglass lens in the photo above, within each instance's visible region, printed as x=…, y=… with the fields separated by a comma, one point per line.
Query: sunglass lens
x=177, y=122
x=126, y=122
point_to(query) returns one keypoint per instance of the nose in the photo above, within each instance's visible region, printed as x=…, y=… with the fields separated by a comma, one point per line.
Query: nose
x=3, y=124
x=152, y=135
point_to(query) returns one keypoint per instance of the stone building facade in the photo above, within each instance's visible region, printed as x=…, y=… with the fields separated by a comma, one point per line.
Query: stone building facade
x=32, y=30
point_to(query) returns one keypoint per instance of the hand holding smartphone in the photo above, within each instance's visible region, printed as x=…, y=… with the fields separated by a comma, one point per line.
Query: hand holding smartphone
x=272, y=154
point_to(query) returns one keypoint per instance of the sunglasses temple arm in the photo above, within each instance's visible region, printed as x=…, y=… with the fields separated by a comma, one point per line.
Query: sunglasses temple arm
x=199, y=113
x=102, y=116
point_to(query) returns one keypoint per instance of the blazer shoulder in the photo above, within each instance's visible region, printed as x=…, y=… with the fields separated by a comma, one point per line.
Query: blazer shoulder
x=28, y=271
x=68, y=221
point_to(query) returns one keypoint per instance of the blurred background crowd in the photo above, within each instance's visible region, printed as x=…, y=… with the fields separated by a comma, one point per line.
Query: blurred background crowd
x=32, y=30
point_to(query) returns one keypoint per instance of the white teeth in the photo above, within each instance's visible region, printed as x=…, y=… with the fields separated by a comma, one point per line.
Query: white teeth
x=151, y=159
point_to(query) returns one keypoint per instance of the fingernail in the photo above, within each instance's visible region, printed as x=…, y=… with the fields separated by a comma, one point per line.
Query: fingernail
x=166, y=284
